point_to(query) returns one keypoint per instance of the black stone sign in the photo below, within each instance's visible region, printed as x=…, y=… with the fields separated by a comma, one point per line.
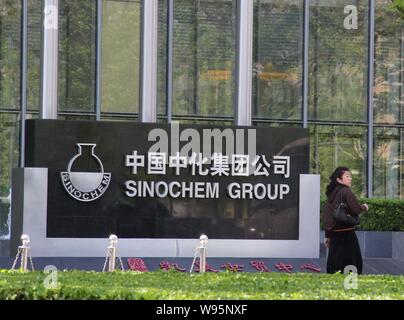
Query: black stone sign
x=100, y=181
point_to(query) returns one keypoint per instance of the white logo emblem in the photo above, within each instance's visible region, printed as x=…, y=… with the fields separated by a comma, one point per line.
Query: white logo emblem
x=85, y=186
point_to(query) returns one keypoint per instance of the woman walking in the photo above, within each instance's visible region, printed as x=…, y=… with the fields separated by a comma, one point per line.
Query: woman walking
x=341, y=239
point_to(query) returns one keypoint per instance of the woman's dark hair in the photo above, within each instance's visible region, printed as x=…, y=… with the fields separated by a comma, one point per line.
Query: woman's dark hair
x=338, y=173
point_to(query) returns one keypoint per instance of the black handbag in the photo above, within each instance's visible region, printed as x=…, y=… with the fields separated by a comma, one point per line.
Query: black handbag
x=342, y=216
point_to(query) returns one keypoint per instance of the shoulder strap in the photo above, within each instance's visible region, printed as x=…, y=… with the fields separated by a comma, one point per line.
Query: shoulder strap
x=338, y=193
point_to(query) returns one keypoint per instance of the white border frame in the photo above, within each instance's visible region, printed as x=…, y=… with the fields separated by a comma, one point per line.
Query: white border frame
x=34, y=224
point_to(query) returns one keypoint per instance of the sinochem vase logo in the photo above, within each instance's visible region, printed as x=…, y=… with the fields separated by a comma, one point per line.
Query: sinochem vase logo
x=85, y=186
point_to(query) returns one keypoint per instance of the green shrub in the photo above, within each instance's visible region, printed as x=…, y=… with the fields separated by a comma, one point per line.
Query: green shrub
x=182, y=286
x=383, y=215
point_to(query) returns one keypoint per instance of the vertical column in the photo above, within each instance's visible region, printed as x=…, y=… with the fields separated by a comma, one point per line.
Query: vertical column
x=306, y=16
x=371, y=54
x=170, y=39
x=98, y=93
x=49, y=60
x=23, y=76
x=245, y=12
x=148, y=87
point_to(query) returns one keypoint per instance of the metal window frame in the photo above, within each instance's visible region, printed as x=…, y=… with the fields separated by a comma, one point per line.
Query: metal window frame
x=23, y=75
x=370, y=77
x=170, y=55
x=98, y=58
x=306, y=39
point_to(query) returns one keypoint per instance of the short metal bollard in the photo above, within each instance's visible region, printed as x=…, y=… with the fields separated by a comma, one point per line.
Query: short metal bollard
x=201, y=250
x=111, y=256
x=25, y=252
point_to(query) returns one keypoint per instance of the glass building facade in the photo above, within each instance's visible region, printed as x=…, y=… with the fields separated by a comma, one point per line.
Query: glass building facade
x=335, y=67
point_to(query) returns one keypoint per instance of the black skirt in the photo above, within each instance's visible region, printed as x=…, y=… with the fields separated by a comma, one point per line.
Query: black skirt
x=344, y=251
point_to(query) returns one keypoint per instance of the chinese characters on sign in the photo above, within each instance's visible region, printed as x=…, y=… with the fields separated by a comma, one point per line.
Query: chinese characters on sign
x=232, y=267
x=165, y=265
x=259, y=266
x=284, y=267
x=235, y=267
x=219, y=165
x=138, y=264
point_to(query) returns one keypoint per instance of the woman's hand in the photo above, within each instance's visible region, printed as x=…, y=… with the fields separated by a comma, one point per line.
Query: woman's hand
x=327, y=242
x=366, y=207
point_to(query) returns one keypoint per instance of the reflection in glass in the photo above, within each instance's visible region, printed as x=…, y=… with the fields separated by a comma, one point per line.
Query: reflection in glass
x=204, y=57
x=388, y=91
x=10, y=43
x=277, y=66
x=77, y=29
x=388, y=162
x=9, y=153
x=120, y=56
x=334, y=146
x=338, y=60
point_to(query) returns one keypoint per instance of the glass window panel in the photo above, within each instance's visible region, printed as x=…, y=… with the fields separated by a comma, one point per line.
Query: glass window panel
x=9, y=154
x=388, y=91
x=388, y=163
x=338, y=60
x=34, y=54
x=277, y=124
x=204, y=57
x=277, y=62
x=334, y=146
x=32, y=115
x=120, y=56
x=10, y=48
x=77, y=30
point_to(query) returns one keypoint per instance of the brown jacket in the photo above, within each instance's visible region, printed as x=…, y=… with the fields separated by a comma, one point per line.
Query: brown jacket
x=348, y=197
